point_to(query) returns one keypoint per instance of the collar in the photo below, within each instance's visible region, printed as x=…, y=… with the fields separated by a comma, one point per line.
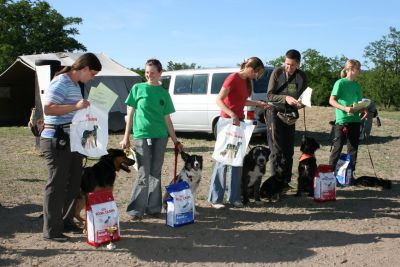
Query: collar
x=305, y=156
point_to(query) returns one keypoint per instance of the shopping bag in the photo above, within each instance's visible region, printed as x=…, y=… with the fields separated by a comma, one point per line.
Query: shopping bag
x=89, y=132
x=180, y=205
x=343, y=171
x=101, y=217
x=230, y=147
x=324, y=184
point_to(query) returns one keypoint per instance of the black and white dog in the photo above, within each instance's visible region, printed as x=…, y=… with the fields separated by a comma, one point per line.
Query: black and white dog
x=307, y=166
x=191, y=173
x=253, y=170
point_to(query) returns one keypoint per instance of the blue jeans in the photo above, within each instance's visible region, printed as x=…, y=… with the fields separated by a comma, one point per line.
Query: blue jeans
x=146, y=193
x=218, y=183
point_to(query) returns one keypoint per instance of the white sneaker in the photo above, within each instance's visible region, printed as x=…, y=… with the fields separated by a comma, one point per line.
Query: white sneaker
x=218, y=206
x=238, y=204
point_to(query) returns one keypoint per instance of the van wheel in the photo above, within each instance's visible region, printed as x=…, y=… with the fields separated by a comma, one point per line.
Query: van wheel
x=43, y=62
x=214, y=129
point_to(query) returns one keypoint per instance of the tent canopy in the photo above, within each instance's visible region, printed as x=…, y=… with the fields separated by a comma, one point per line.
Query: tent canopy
x=17, y=87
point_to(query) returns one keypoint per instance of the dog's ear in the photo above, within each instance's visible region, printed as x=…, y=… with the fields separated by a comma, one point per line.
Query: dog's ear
x=184, y=155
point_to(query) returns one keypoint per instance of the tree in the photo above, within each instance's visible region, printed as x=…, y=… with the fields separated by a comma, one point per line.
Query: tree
x=384, y=81
x=31, y=27
x=277, y=62
x=181, y=66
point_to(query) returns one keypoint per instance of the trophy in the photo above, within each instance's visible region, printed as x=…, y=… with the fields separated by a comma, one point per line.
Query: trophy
x=110, y=230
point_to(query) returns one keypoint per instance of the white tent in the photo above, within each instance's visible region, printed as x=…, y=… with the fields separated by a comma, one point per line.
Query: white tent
x=18, y=83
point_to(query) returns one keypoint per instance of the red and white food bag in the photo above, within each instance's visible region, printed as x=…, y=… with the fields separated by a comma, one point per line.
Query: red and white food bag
x=324, y=184
x=101, y=214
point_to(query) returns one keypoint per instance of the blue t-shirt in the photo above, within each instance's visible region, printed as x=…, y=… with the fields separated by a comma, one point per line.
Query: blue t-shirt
x=63, y=91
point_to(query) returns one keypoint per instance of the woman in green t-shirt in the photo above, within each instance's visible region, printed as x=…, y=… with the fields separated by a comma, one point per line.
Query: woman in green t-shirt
x=150, y=106
x=345, y=93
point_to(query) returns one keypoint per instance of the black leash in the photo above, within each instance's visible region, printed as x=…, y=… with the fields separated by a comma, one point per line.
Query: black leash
x=369, y=154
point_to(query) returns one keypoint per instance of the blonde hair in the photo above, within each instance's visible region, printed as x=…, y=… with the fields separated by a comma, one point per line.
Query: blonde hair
x=350, y=64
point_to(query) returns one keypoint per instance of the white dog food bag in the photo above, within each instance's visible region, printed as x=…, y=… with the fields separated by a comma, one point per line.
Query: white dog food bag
x=180, y=206
x=101, y=217
x=324, y=184
x=344, y=170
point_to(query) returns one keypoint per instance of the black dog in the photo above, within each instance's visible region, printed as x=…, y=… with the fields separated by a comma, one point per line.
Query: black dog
x=273, y=187
x=101, y=175
x=307, y=166
x=253, y=169
x=371, y=181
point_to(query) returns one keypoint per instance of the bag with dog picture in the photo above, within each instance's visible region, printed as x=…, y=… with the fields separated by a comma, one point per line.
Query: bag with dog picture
x=324, y=184
x=231, y=145
x=180, y=206
x=344, y=170
x=102, y=220
x=89, y=132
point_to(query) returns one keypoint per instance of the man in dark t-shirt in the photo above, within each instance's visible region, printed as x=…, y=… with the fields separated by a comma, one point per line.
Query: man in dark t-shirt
x=285, y=87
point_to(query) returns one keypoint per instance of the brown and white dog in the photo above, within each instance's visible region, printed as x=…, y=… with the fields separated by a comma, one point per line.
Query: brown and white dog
x=101, y=175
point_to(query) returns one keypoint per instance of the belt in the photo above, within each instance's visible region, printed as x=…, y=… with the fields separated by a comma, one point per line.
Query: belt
x=54, y=126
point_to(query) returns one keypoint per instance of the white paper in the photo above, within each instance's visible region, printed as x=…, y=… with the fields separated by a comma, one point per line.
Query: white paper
x=305, y=97
x=102, y=97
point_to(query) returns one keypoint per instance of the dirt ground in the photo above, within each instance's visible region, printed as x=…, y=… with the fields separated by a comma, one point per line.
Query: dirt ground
x=360, y=228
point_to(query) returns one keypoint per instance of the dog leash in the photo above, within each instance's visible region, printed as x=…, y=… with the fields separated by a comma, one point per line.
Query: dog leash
x=369, y=154
x=176, y=161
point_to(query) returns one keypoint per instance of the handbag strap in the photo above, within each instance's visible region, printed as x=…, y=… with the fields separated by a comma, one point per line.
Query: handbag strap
x=280, y=89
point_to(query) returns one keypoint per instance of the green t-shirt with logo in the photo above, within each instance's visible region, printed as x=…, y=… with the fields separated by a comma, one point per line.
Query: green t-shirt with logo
x=347, y=93
x=151, y=104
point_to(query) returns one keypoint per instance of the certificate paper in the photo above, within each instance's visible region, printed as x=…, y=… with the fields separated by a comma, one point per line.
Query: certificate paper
x=305, y=97
x=102, y=97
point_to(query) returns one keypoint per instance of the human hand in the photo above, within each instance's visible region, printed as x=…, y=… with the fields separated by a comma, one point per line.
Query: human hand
x=81, y=104
x=178, y=146
x=262, y=104
x=291, y=100
x=235, y=120
x=364, y=114
x=125, y=143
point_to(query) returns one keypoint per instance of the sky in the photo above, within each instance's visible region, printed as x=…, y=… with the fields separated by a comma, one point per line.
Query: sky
x=223, y=33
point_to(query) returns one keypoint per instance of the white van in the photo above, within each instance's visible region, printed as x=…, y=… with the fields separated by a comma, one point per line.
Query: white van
x=194, y=92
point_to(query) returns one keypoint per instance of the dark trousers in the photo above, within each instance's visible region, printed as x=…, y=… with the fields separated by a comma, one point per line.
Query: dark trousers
x=281, y=142
x=63, y=186
x=351, y=138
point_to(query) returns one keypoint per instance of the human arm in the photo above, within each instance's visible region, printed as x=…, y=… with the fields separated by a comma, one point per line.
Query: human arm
x=52, y=109
x=334, y=103
x=171, y=131
x=220, y=102
x=125, y=142
x=257, y=103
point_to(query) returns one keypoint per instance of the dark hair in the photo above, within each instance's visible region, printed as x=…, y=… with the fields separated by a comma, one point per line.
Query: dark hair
x=86, y=60
x=154, y=62
x=293, y=54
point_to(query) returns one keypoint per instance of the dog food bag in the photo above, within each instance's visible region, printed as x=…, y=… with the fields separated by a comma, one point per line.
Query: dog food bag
x=180, y=206
x=344, y=170
x=324, y=184
x=102, y=219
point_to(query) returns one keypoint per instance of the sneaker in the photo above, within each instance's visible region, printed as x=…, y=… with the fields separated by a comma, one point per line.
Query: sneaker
x=136, y=218
x=218, y=206
x=238, y=204
x=59, y=238
x=70, y=227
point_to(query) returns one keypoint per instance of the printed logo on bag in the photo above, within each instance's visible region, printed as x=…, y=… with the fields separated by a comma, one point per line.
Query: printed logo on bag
x=231, y=150
x=104, y=211
x=89, y=137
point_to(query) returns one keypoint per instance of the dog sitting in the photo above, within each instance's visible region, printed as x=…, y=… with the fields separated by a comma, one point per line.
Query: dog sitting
x=307, y=166
x=274, y=186
x=190, y=173
x=253, y=169
x=101, y=175
x=371, y=181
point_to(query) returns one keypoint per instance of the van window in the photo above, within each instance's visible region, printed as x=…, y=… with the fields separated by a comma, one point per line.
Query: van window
x=165, y=81
x=191, y=84
x=261, y=85
x=217, y=82
x=199, y=85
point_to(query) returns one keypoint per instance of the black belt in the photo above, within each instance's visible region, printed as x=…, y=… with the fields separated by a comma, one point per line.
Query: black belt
x=54, y=126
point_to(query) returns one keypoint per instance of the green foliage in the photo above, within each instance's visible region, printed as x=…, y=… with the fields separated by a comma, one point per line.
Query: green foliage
x=181, y=66
x=278, y=62
x=383, y=81
x=31, y=27
x=141, y=72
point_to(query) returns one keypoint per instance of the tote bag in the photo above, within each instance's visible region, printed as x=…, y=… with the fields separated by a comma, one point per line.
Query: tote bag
x=89, y=132
x=232, y=141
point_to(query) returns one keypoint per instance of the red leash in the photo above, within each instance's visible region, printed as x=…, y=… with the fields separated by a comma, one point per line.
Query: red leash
x=176, y=161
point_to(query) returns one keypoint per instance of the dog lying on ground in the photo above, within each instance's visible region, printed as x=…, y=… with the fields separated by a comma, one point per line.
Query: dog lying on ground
x=190, y=173
x=253, y=170
x=307, y=166
x=371, y=181
x=101, y=175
